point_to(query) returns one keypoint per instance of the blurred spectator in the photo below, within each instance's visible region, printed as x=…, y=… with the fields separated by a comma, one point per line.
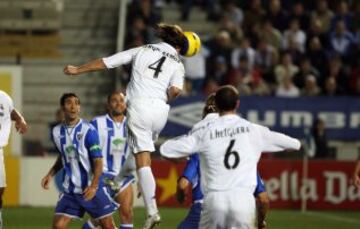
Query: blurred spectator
x=311, y=88
x=265, y=59
x=331, y=87
x=316, y=30
x=146, y=9
x=221, y=45
x=236, y=79
x=220, y=71
x=233, y=12
x=318, y=57
x=226, y=24
x=354, y=80
x=305, y=69
x=320, y=139
x=287, y=88
x=271, y=35
x=338, y=72
x=323, y=14
x=301, y=15
x=138, y=33
x=245, y=50
x=285, y=69
x=356, y=16
x=342, y=14
x=295, y=34
x=277, y=15
x=195, y=70
x=211, y=6
x=211, y=86
x=260, y=87
x=342, y=40
x=253, y=16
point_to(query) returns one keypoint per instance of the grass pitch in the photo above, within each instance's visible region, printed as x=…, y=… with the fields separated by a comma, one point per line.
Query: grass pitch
x=40, y=218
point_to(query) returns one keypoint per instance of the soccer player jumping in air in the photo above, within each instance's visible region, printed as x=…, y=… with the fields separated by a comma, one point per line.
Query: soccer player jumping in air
x=157, y=77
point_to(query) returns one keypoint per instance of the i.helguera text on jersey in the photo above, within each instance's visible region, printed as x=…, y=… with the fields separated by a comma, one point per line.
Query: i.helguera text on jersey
x=229, y=132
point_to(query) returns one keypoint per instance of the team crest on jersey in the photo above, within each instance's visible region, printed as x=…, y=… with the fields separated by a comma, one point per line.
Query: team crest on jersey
x=69, y=149
x=117, y=141
x=79, y=136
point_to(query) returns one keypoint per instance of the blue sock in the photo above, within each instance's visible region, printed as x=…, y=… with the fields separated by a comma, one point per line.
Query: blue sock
x=126, y=226
x=88, y=225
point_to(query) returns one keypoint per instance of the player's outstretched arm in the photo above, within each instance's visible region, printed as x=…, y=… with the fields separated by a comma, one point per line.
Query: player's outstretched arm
x=90, y=191
x=20, y=123
x=54, y=169
x=95, y=65
x=356, y=174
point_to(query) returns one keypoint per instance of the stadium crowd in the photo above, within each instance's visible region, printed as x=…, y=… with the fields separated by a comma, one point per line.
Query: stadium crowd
x=280, y=48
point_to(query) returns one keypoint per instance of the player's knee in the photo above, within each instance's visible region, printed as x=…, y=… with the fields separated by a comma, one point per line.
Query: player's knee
x=59, y=224
x=107, y=225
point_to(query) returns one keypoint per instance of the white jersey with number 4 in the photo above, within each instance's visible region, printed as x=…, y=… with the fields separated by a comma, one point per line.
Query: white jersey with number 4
x=155, y=68
x=229, y=148
x=6, y=107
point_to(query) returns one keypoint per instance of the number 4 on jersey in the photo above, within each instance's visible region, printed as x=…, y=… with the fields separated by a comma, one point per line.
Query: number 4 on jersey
x=156, y=66
x=228, y=153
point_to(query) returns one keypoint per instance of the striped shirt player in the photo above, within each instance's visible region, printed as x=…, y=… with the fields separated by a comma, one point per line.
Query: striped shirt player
x=115, y=150
x=78, y=146
x=230, y=147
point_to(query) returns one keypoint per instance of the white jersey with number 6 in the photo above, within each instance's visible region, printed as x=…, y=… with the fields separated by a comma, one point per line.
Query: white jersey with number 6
x=155, y=68
x=229, y=148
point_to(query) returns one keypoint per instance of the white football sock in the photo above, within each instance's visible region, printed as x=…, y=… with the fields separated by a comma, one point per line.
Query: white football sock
x=147, y=188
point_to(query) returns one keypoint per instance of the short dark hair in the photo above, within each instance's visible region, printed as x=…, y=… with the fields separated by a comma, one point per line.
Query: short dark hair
x=66, y=96
x=226, y=98
x=113, y=93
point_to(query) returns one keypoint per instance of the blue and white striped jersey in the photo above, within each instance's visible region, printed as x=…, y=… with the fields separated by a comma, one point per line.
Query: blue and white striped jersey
x=112, y=142
x=78, y=146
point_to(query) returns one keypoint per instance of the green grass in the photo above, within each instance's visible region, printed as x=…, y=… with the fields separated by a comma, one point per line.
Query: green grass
x=40, y=218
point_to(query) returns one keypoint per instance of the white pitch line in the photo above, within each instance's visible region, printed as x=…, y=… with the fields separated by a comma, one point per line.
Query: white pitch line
x=333, y=217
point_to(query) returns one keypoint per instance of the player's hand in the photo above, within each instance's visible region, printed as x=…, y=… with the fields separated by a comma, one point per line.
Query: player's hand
x=182, y=185
x=71, y=70
x=21, y=126
x=90, y=192
x=356, y=180
x=262, y=225
x=45, y=182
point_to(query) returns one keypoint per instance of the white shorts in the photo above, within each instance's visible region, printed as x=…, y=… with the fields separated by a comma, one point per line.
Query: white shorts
x=2, y=170
x=145, y=120
x=235, y=209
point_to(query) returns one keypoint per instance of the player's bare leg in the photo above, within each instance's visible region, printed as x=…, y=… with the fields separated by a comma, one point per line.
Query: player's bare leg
x=1, y=204
x=147, y=188
x=126, y=199
x=60, y=221
x=107, y=222
x=263, y=206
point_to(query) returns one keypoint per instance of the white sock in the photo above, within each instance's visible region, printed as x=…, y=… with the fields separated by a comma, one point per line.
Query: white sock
x=147, y=188
x=1, y=221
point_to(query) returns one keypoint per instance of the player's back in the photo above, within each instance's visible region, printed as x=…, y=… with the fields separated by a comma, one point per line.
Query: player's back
x=228, y=155
x=155, y=67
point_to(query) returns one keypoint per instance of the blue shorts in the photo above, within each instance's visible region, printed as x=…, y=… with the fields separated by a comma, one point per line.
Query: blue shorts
x=192, y=220
x=75, y=206
x=118, y=185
